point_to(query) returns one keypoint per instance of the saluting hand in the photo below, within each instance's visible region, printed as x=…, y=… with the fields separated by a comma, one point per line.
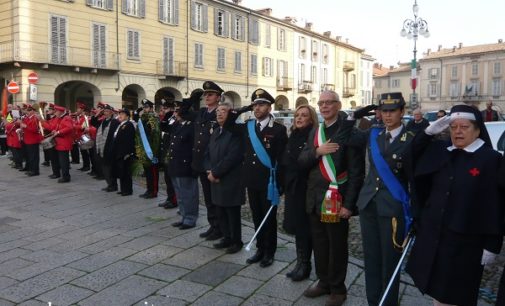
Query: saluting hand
x=327, y=148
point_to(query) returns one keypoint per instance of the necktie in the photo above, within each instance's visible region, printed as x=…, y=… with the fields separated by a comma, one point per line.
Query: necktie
x=259, y=126
x=388, y=141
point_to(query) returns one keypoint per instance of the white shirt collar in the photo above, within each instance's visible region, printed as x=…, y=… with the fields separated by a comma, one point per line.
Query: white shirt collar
x=474, y=146
x=395, y=132
x=263, y=122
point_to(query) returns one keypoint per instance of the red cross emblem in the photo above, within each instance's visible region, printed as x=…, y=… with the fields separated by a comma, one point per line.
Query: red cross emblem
x=474, y=172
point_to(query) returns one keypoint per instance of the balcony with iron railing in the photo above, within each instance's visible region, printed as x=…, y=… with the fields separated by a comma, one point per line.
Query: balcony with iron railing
x=284, y=83
x=174, y=69
x=305, y=87
x=349, y=92
x=348, y=66
x=32, y=52
x=325, y=87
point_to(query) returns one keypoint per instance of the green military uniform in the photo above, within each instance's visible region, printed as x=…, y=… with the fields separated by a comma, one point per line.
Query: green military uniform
x=377, y=207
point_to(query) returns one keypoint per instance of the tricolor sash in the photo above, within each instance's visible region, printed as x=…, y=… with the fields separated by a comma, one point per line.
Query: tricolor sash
x=145, y=143
x=393, y=185
x=332, y=202
x=273, y=191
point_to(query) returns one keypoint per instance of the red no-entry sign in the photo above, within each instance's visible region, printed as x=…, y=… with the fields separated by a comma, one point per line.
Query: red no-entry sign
x=33, y=78
x=13, y=87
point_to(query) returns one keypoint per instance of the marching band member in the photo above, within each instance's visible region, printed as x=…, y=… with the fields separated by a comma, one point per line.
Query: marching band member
x=32, y=138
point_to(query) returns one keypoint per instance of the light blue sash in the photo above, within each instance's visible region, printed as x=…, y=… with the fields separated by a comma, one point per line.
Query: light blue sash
x=393, y=185
x=145, y=143
x=273, y=191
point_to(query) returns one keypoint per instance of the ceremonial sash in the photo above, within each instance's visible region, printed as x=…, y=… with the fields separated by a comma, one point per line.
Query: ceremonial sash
x=273, y=191
x=332, y=201
x=390, y=180
x=145, y=143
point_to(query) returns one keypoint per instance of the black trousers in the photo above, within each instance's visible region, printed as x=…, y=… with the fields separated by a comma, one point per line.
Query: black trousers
x=32, y=157
x=331, y=254
x=96, y=165
x=24, y=155
x=107, y=172
x=230, y=223
x=47, y=156
x=170, y=188
x=500, y=301
x=75, y=153
x=63, y=164
x=86, y=162
x=3, y=146
x=381, y=257
x=266, y=241
x=17, y=156
x=122, y=171
x=55, y=163
x=212, y=216
x=152, y=178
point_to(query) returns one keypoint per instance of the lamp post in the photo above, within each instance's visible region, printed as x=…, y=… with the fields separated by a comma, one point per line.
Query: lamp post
x=412, y=28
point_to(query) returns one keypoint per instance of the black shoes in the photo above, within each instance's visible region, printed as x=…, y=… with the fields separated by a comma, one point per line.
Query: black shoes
x=234, y=248
x=206, y=233
x=54, y=176
x=110, y=188
x=83, y=169
x=257, y=257
x=214, y=235
x=224, y=243
x=64, y=180
x=186, y=226
x=267, y=260
x=45, y=164
x=148, y=195
x=177, y=224
x=167, y=204
x=29, y=173
x=124, y=194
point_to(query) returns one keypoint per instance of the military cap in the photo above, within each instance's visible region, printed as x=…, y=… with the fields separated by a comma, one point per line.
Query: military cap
x=59, y=108
x=391, y=101
x=81, y=105
x=261, y=96
x=209, y=86
x=125, y=111
x=147, y=103
x=169, y=103
x=107, y=106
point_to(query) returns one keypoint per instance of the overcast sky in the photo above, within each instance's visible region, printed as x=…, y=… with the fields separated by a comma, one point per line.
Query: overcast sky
x=375, y=24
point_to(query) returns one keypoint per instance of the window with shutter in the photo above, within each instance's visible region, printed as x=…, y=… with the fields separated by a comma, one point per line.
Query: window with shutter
x=167, y=11
x=221, y=59
x=99, y=45
x=133, y=46
x=496, y=87
x=199, y=55
x=238, y=61
x=219, y=22
x=135, y=8
x=254, y=64
x=267, y=67
x=168, y=55
x=199, y=21
x=58, y=40
x=101, y=4
x=238, y=32
x=281, y=39
x=110, y=5
x=268, y=35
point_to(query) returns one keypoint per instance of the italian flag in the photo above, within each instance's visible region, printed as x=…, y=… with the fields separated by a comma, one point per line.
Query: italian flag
x=413, y=77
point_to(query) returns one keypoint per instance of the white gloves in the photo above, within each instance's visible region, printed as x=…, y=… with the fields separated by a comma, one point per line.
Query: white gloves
x=487, y=257
x=438, y=126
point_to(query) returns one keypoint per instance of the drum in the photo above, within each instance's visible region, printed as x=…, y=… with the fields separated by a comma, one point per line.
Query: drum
x=48, y=143
x=86, y=143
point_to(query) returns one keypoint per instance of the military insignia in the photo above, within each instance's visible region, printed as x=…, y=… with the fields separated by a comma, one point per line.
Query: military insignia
x=206, y=85
x=404, y=137
x=260, y=92
x=399, y=165
x=211, y=130
x=123, y=127
x=394, y=156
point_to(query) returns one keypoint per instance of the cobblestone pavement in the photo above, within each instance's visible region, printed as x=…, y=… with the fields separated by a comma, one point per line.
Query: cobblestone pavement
x=72, y=244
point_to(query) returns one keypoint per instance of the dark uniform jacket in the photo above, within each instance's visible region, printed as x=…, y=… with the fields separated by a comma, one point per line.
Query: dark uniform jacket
x=166, y=124
x=274, y=138
x=397, y=156
x=124, y=142
x=179, y=153
x=414, y=127
x=347, y=158
x=462, y=214
x=224, y=159
x=205, y=123
x=107, y=150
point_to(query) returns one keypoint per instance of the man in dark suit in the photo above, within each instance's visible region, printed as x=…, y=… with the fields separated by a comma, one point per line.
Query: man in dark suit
x=273, y=138
x=329, y=216
x=205, y=123
x=166, y=123
x=419, y=123
x=123, y=149
x=104, y=138
x=378, y=208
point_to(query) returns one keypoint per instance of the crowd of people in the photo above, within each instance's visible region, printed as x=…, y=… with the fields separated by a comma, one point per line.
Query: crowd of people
x=441, y=184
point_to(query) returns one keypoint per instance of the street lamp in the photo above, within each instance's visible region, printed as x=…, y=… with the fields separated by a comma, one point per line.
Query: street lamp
x=412, y=28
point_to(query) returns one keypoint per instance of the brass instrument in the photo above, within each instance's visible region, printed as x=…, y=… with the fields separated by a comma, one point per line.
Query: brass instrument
x=86, y=143
x=39, y=108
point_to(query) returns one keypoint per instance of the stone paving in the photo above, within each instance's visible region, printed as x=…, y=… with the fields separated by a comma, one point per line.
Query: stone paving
x=72, y=244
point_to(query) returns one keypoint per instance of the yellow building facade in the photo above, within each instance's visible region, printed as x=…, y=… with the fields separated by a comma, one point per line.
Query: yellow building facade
x=121, y=51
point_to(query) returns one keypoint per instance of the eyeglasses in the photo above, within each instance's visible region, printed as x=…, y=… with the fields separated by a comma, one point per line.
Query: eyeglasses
x=326, y=102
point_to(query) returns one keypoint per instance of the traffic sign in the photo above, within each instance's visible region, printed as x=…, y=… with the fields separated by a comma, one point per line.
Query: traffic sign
x=33, y=78
x=13, y=87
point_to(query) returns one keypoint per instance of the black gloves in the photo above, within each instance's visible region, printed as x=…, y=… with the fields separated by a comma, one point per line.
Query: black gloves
x=365, y=111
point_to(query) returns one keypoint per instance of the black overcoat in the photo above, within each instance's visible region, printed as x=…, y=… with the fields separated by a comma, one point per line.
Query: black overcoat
x=224, y=159
x=461, y=214
x=179, y=153
x=204, y=125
